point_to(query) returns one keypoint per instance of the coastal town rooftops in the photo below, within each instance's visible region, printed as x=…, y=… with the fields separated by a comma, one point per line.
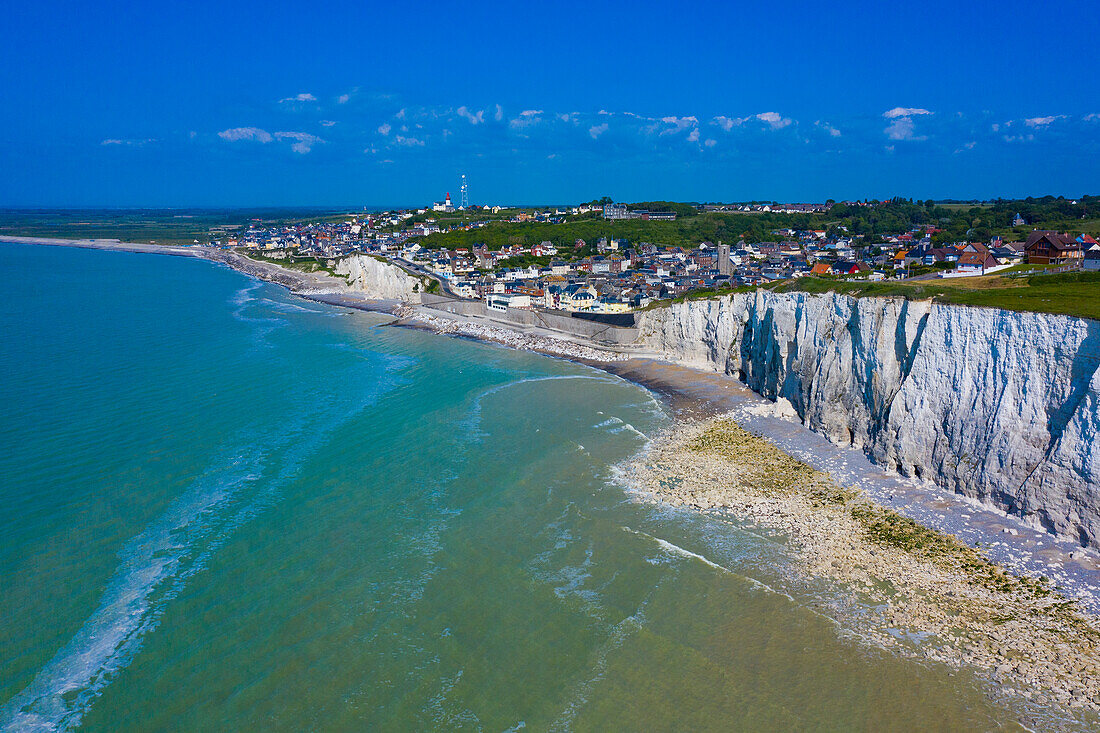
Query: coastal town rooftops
x=1053, y=240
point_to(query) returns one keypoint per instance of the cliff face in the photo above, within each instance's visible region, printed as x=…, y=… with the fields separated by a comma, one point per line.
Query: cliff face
x=380, y=279
x=1000, y=406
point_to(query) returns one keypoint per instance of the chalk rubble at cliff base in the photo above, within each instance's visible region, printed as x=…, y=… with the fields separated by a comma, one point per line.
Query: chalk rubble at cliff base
x=506, y=337
x=925, y=594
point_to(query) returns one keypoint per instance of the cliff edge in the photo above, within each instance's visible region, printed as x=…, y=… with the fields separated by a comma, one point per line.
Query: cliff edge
x=996, y=405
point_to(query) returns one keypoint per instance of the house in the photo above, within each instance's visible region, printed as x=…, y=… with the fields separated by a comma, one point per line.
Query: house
x=578, y=298
x=820, y=268
x=916, y=255
x=611, y=305
x=465, y=289
x=849, y=268
x=1046, y=247
x=975, y=262
x=1092, y=259
x=1007, y=254
x=941, y=254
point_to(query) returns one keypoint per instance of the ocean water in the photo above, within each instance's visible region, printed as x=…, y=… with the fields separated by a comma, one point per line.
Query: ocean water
x=226, y=508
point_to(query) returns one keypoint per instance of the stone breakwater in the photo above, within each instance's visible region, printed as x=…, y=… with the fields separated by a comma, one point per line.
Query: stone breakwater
x=1000, y=406
x=919, y=592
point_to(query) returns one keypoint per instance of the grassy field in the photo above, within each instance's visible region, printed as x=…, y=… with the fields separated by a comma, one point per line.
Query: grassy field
x=301, y=264
x=1072, y=293
x=150, y=226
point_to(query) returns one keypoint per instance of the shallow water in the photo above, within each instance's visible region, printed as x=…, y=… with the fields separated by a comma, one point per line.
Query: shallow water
x=228, y=508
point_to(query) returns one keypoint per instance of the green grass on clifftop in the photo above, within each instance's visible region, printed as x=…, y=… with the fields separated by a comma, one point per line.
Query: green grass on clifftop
x=1071, y=293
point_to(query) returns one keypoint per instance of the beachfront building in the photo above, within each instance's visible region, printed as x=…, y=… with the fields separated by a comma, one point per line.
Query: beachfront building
x=503, y=301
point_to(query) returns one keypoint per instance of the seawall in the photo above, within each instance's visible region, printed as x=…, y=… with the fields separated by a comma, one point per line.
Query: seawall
x=1000, y=406
x=522, y=318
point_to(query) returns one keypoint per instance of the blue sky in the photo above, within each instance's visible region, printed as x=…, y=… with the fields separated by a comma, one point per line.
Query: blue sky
x=279, y=103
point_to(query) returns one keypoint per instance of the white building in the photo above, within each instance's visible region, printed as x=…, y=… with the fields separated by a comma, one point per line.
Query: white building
x=446, y=206
x=504, y=301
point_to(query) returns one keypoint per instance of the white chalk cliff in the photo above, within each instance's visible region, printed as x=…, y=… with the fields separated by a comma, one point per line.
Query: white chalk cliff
x=996, y=405
x=380, y=279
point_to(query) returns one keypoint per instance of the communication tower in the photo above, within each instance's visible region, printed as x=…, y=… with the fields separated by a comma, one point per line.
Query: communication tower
x=464, y=199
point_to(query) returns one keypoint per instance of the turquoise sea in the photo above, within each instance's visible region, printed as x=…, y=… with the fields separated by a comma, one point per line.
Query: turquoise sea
x=226, y=508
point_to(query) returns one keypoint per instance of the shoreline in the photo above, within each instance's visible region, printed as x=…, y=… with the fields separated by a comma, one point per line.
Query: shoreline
x=695, y=395
x=895, y=584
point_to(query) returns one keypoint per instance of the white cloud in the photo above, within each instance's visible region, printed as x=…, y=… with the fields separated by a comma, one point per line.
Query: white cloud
x=303, y=97
x=527, y=117
x=832, y=131
x=710, y=142
x=693, y=137
x=408, y=142
x=474, y=118
x=727, y=123
x=400, y=114
x=677, y=124
x=303, y=141
x=499, y=114
x=1042, y=121
x=774, y=119
x=903, y=129
x=128, y=142
x=904, y=112
x=343, y=99
x=966, y=146
x=384, y=128
x=596, y=130
x=255, y=134
x=327, y=123
x=1092, y=116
